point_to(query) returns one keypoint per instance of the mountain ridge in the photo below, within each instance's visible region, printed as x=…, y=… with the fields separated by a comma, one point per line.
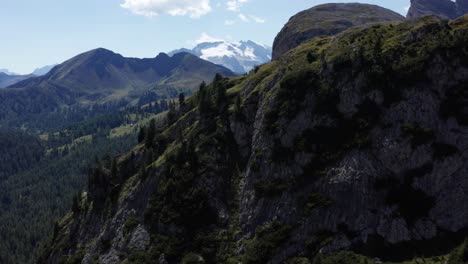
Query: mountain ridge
x=326, y=20
x=102, y=77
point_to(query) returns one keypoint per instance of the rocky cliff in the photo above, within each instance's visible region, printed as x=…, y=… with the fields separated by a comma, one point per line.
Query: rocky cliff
x=352, y=142
x=327, y=20
x=447, y=9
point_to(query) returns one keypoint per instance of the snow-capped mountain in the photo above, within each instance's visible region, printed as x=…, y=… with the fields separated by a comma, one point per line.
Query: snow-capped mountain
x=240, y=57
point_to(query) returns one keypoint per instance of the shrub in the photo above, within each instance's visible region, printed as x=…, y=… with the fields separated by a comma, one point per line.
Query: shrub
x=130, y=224
x=311, y=57
x=459, y=255
x=267, y=239
x=316, y=200
x=293, y=88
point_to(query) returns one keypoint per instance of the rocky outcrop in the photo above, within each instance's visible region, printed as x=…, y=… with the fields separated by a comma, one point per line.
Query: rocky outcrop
x=327, y=20
x=447, y=9
x=351, y=142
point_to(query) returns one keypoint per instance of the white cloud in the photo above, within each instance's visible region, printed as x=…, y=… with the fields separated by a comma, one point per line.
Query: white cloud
x=229, y=22
x=192, y=8
x=235, y=5
x=204, y=37
x=249, y=18
x=258, y=19
x=243, y=18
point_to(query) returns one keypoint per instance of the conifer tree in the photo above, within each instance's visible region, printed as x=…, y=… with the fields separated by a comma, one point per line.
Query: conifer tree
x=150, y=133
x=181, y=99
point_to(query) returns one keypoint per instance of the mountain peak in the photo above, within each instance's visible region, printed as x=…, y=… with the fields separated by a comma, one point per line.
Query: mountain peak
x=326, y=20
x=239, y=56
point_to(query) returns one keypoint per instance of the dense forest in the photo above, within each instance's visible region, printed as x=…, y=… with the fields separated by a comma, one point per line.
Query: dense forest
x=18, y=151
x=40, y=174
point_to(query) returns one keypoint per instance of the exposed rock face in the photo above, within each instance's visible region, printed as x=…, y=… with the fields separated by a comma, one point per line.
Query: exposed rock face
x=443, y=8
x=357, y=141
x=327, y=20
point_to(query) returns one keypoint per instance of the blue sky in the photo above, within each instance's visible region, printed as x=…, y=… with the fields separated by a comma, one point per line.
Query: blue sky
x=37, y=33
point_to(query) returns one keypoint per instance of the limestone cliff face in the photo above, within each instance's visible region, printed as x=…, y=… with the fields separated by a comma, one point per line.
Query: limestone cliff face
x=443, y=8
x=327, y=20
x=352, y=142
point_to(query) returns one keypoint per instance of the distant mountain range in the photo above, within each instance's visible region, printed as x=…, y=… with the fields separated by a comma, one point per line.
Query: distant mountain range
x=240, y=57
x=101, y=77
x=8, y=78
x=6, y=71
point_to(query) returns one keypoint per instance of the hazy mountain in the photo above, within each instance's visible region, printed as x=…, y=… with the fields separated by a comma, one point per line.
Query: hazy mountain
x=347, y=149
x=239, y=57
x=6, y=71
x=7, y=79
x=327, y=20
x=43, y=70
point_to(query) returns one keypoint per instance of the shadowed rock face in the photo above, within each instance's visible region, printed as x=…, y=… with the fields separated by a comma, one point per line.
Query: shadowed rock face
x=442, y=8
x=328, y=20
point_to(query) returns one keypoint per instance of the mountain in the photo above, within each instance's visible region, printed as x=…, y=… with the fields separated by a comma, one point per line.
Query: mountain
x=43, y=70
x=327, y=20
x=346, y=149
x=444, y=8
x=8, y=72
x=7, y=80
x=240, y=57
x=103, y=78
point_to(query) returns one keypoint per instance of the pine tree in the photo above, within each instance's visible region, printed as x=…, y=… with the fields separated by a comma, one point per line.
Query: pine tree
x=150, y=133
x=181, y=99
x=142, y=134
x=203, y=99
x=171, y=115
x=220, y=93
